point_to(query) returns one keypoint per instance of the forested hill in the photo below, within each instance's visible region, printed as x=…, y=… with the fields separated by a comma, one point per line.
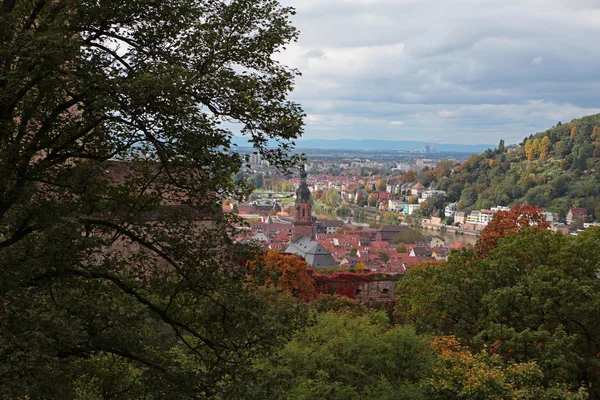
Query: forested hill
x=556, y=169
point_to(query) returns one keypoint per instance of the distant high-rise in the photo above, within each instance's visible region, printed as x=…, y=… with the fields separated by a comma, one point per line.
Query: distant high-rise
x=255, y=158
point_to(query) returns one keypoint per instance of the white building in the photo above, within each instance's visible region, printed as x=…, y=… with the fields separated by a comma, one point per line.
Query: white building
x=392, y=188
x=431, y=193
x=481, y=217
x=450, y=210
x=396, y=205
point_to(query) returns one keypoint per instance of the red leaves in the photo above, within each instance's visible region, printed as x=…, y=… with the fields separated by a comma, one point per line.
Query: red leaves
x=507, y=222
x=289, y=273
x=342, y=283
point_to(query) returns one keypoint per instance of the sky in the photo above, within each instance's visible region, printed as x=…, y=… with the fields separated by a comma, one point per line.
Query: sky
x=453, y=71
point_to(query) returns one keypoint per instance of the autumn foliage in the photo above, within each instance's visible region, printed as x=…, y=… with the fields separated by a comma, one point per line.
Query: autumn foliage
x=290, y=273
x=342, y=283
x=286, y=272
x=507, y=222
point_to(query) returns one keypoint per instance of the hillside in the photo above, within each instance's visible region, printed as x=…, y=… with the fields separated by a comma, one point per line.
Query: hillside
x=556, y=169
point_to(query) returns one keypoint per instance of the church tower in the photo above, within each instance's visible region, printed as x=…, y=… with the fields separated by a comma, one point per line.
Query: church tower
x=303, y=222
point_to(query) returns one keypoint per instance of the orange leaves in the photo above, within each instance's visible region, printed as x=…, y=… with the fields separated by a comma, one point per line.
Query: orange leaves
x=507, y=222
x=286, y=272
x=289, y=273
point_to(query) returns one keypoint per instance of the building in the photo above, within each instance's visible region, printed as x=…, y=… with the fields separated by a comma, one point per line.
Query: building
x=392, y=188
x=314, y=254
x=328, y=225
x=304, y=229
x=389, y=231
x=432, y=193
x=255, y=158
x=408, y=209
x=450, y=209
x=396, y=205
x=303, y=221
x=417, y=189
x=575, y=213
x=460, y=217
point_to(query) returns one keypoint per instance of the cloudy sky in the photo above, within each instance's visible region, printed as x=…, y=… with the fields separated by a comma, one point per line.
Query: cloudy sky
x=457, y=71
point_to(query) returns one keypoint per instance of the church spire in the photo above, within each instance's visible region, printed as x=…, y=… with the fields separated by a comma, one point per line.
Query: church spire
x=303, y=222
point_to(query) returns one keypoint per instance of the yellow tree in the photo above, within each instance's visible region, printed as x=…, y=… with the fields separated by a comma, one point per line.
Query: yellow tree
x=535, y=148
x=529, y=149
x=573, y=131
x=545, y=147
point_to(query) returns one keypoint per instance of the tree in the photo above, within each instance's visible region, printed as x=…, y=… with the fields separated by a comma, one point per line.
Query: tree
x=360, y=198
x=286, y=272
x=407, y=236
x=345, y=356
x=286, y=186
x=381, y=184
x=385, y=257
x=256, y=180
x=113, y=157
x=360, y=267
x=409, y=177
x=506, y=222
x=459, y=373
x=573, y=131
x=501, y=148
x=532, y=299
x=401, y=248
x=372, y=200
x=545, y=147
x=332, y=197
x=319, y=194
x=353, y=251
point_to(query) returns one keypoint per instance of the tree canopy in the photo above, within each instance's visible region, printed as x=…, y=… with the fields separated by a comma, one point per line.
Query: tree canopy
x=531, y=299
x=118, y=276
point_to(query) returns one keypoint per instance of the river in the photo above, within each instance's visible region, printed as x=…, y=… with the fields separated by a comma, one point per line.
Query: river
x=446, y=236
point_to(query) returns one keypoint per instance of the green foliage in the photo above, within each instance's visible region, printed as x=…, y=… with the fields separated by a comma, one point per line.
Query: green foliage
x=256, y=180
x=460, y=374
x=353, y=356
x=112, y=165
x=381, y=184
x=332, y=198
x=534, y=299
x=549, y=166
x=408, y=236
x=385, y=257
x=401, y=248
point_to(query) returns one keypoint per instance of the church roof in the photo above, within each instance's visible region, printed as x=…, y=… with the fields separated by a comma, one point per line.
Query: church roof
x=312, y=251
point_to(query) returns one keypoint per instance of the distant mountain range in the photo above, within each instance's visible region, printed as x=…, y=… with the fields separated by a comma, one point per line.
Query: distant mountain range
x=389, y=145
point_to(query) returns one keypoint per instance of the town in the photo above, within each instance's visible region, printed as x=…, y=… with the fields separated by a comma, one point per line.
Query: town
x=362, y=214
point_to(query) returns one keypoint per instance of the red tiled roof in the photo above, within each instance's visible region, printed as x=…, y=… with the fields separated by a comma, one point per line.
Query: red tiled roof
x=578, y=211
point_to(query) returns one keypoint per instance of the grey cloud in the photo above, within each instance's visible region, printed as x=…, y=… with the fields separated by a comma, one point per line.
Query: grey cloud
x=470, y=70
